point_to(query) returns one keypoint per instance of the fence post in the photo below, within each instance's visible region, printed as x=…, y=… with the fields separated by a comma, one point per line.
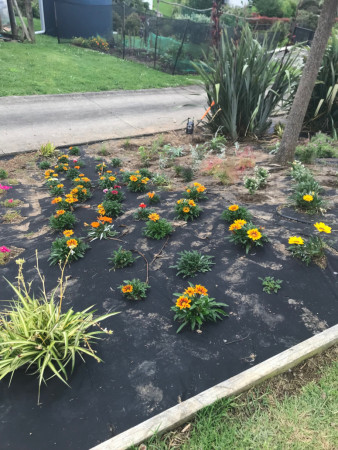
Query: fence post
x=157, y=13
x=181, y=46
x=56, y=23
x=124, y=31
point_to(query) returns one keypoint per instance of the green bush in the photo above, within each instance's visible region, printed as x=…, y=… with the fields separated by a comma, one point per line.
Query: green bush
x=122, y=258
x=67, y=249
x=44, y=165
x=247, y=84
x=62, y=220
x=134, y=289
x=113, y=208
x=4, y=174
x=190, y=263
x=157, y=228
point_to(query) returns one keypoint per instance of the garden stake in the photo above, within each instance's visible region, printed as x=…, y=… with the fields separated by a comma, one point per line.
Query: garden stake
x=159, y=253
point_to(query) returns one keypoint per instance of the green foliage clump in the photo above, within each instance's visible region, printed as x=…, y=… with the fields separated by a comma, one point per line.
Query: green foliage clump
x=10, y=203
x=75, y=151
x=44, y=165
x=235, y=212
x=47, y=150
x=134, y=289
x=271, y=285
x=72, y=173
x=116, y=162
x=60, y=250
x=246, y=81
x=65, y=221
x=158, y=229
x=113, y=208
x=102, y=231
x=311, y=249
x=122, y=258
x=258, y=181
x=114, y=194
x=186, y=209
x=56, y=188
x=107, y=181
x=37, y=334
x=248, y=236
x=143, y=212
x=186, y=173
x=190, y=263
x=194, y=307
x=320, y=146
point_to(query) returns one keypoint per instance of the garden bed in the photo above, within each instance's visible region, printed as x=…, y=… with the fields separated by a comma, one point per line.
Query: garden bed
x=147, y=366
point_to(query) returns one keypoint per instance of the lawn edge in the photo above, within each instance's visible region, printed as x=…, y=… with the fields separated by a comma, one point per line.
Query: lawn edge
x=183, y=412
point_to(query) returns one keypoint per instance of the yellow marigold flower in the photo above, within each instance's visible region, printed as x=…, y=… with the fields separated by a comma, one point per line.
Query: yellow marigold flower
x=183, y=302
x=201, y=290
x=201, y=189
x=68, y=233
x=85, y=179
x=186, y=209
x=296, y=240
x=112, y=178
x=81, y=174
x=59, y=212
x=79, y=186
x=72, y=243
x=144, y=180
x=180, y=201
x=322, y=228
x=190, y=291
x=188, y=190
x=233, y=207
x=254, y=234
x=197, y=184
x=71, y=200
x=74, y=191
x=308, y=198
x=237, y=225
x=60, y=185
x=192, y=203
x=56, y=200
x=77, y=179
x=109, y=171
x=151, y=194
x=133, y=178
x=102, y=178
x=55, y=175
x=137, y=171
x=95, y=224
x=127, y=288
x=154, y=217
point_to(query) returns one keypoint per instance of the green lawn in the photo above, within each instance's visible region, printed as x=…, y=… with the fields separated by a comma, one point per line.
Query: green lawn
x=50, y=68
x=265, y=419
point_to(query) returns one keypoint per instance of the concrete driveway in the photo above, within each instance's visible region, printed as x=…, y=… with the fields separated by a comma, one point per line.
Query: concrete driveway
x=69, y=119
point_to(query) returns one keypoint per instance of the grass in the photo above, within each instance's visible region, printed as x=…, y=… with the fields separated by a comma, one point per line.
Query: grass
x=278, y=415
x=49, y=68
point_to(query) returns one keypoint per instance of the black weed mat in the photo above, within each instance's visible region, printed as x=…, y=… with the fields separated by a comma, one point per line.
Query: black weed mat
x=147, y=367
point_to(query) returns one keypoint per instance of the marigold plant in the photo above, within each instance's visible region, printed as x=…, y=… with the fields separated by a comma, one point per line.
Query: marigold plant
x=247, y=235
x=107, y=181
x=137, y=182
x=114, y=193
x=62, y=220
x=235, y=212
x=134, y=289
x=195, y=192
x=157, y=228
x=194, y=307
x=153, y=198
x=143, y=212
x=67, y=249
x=187, y=209
x=101, y=229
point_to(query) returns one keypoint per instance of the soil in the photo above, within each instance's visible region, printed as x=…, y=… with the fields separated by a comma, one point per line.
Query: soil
x=148, y=367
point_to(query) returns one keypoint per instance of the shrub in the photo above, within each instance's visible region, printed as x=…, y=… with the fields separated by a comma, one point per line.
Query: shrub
x=67, y=249
x=194, y=307
x=102, y=229
x=196, y=192
x=247, y=83
x=320, y=146
x=235, y=212
x=122, y=258
x=186, y=209
x=190, y=263
x=251, y=184
x=44, y=165
x=62, y=220
x=258, y=181
x=247, y=235
x=157, y=228
x=143, y=213
x=74, y=151
x=36, y=333
x=47, y=150
x=161, y=180
x=134, y=289
x=110, y=208
x=116, y=162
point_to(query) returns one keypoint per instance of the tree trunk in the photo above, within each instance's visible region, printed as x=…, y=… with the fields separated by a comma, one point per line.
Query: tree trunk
x=14, y=29
x=30, y=22
x=307, y=82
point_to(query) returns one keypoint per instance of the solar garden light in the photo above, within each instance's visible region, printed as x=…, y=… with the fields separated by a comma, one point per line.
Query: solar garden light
x=190, y=126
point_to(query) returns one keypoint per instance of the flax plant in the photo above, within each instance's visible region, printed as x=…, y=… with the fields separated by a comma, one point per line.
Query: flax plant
x=35, y=334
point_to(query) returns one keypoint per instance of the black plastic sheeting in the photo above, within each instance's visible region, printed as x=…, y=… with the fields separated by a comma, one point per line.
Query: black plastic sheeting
x=148, y=367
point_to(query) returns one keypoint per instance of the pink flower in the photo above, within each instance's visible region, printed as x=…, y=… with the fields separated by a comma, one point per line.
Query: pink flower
x=117, y=186
x=5, y=188
x=4, y=249
x=10, y=200
x=114, y=192
x=74, y=160
x=105, y=190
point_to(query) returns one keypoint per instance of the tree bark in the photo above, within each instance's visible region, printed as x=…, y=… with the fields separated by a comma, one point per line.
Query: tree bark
x=30, y=22
x=14, y=29
x=307, y=82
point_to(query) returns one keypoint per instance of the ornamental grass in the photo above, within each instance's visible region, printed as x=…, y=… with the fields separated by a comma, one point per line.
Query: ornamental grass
x=37, y=335
x=194, y=307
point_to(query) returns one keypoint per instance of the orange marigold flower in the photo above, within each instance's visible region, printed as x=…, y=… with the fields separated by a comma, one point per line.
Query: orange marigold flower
x=55, y=175
x=201, y=189
x=188, y=190
x=77, y=179
x=102, y=178
x=192, y=203
x=237, y=225
x=186, y=209
x=233, y=207
x=183, y=302
x=81, y=174
x=105, y=219
x=144, y=180
x=76, y=167
x=201, y=290
x=190, y=291
x=68, y=233
x=112, y=178
x=254, y=234
x=60, y=185
x=109, y=171
x=151, y=194
x=133, y=178
x=197, y=184
x=72, y=243
x=85, y=179
x=56, y=200
x=59, y=212
x=127, y=288
x=95, y=224
x=154, y=217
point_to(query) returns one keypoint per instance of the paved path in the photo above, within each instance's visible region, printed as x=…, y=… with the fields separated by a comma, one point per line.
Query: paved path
x=70, y=119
